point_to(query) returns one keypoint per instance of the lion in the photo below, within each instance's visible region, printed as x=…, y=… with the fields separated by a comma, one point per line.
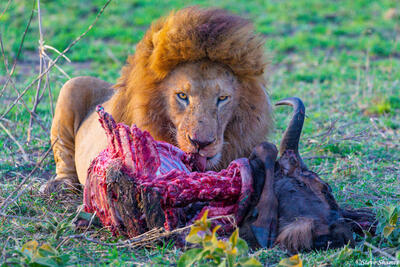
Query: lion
x=196, y=80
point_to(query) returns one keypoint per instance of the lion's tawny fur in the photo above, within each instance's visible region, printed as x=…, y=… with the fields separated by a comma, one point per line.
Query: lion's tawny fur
x=188, y=35
x=210, y=47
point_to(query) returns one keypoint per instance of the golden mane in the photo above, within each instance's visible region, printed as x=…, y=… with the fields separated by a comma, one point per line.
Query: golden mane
x=189, y=35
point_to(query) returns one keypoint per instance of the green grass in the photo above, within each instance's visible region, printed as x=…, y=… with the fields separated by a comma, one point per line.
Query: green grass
x=341, y=57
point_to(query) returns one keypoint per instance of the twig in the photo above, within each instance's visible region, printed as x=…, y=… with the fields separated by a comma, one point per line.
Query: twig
x=34, y=115
x=380, y=251
x=58, y=67
x=319, y=157
x=143, y=239
x=113, y=57
x=8, y=216
x=5, y=9
x=44, y=87
x=8, y=121
x=328, y=131
x=90, y=222
x=353, y=137
x=55, y=60
x=7, y=201
x=4, y=254
x=58, y=52
x=24, y=155
x=377, y=128
x=41, y=64
x=19, y=49
x=50, y=95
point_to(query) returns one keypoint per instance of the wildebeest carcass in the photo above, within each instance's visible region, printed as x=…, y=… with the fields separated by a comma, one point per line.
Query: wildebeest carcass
x=138, y=183
x=300, y=213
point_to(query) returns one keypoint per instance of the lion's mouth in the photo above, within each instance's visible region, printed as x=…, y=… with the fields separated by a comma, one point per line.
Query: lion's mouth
x=198, y=162
x=213, y=161
x=202, y=163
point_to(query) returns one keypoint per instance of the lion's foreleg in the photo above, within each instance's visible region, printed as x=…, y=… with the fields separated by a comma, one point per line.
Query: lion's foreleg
x=76, y=99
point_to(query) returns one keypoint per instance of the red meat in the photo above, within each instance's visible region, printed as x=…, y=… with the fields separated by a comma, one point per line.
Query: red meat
x=167, y=175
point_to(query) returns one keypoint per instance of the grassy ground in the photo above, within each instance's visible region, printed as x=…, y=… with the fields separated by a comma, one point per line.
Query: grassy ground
x=341, y=57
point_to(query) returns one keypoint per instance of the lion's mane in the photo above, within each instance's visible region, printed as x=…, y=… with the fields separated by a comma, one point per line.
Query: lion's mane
x=188, y=35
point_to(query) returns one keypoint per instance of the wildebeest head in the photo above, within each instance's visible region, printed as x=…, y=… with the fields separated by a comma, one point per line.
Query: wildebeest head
x=309, y=216
x=300, y=213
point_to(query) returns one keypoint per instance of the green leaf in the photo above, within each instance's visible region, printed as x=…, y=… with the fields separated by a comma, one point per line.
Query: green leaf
x=249, y=262
x=203, y=220
x=193, y=236
x=242, y=246
x=389, y=211
x=63, y=259
x=231, y=260
x=214, y=239
x=393, y=218
x=368, y=203
x=234, y=237
x=345, y=253
x=293, y=261
x=387, y=230
x=46, y=250
x=190, y=257
x=44, y=261
x=222, y=263
x=218, y=252
x=30, y=245
x=29, y=248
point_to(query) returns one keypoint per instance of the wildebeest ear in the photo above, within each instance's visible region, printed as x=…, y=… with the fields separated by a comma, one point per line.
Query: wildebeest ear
x=258, y=173
x=261, y=158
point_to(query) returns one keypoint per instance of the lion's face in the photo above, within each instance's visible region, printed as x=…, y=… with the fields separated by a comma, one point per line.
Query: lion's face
x=201, y=97
x=216, y=105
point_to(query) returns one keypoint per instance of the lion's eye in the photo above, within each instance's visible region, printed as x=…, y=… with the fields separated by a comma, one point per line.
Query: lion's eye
x=222, y=98
x=182, y=96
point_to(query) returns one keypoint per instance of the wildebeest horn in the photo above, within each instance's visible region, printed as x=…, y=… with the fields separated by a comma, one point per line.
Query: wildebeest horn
x=291, y=136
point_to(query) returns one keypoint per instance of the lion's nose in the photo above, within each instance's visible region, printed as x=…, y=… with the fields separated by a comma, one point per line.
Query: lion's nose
x=200, y=143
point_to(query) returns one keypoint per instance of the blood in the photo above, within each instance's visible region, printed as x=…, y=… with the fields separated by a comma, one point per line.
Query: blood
x=156, y=166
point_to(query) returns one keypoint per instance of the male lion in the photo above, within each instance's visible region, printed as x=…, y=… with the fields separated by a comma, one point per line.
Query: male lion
x=196, y=81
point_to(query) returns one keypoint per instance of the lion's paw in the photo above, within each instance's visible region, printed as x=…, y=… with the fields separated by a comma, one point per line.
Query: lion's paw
x=61, y=186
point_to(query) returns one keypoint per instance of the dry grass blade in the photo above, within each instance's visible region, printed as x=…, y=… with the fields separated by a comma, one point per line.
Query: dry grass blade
x=5, y=9
x=19, y=50
x=56, y=65
x=24, y=155
x=380, y=251
x=58, y=52
x=8, y=200
x=154, y=235
x=8, y=216
x=42, y=63
x=50, y=94
x=33, y=114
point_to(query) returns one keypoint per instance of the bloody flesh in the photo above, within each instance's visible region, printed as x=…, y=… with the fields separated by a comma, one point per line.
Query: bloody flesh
x=161, y=168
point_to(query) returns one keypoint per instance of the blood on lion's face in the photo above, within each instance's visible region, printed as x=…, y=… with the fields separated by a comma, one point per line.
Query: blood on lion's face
x=201, y=97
